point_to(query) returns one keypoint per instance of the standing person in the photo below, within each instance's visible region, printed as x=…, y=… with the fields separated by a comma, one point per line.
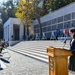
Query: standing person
x=67, y=32
x=72, y=48
x=57, y=33
x=1, y=46
x=3, y=43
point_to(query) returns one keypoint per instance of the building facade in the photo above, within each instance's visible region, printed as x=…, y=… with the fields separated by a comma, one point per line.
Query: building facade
x=13, y=30
x=59, y=19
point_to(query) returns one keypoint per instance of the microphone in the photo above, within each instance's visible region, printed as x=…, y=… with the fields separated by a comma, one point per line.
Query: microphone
x=64, y=42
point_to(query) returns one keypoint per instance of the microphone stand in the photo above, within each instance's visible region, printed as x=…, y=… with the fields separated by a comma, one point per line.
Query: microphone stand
x=64, y=43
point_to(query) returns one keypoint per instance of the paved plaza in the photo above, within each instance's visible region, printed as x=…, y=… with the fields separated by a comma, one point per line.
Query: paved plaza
x=21, y=63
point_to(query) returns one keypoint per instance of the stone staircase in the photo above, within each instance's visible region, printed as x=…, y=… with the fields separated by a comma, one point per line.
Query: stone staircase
x=37, y=49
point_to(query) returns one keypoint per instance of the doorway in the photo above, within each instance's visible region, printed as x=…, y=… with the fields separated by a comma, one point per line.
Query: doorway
x=16, y=30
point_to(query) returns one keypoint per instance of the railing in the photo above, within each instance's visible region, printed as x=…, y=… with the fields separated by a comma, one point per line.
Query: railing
x=63, y=38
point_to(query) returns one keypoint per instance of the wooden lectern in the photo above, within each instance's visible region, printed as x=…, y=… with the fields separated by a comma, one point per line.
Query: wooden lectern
x=58, y=60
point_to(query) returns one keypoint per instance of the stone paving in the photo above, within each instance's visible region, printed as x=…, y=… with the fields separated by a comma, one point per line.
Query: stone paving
x=24, y=65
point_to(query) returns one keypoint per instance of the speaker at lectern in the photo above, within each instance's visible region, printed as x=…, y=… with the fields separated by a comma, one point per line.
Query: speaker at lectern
x=58, y=60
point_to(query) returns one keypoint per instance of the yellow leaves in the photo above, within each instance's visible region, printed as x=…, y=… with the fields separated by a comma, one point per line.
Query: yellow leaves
x=24, y=1
x=24, y=11
x=20, y=3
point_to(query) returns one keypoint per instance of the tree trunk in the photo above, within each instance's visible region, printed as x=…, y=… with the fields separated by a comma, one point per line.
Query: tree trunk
x=37, y=11
x=27, y=36
x=40, y=28
x=39, y=21
x=24, y=35
x=28, y=30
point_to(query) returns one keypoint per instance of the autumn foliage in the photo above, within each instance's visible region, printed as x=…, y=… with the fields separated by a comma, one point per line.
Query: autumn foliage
x=25, y=11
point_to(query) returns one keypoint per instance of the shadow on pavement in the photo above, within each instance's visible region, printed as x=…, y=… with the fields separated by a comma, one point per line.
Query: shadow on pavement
x=4, y=60
x=1, y=68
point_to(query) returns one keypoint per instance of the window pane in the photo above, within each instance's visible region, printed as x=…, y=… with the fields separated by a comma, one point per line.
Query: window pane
x=48, y=28
x=48, y=35
x=60, y=19
x=73, y=15
x=73, y=23
x=67, y=17
x=44, y=29
x=67, y=24
x=60, y=26
x=48, y=23
x=54, y=21
x=53, y=27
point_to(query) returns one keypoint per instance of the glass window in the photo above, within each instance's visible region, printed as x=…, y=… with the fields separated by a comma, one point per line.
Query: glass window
x=36, y=26
x=54, y=21
x=34, y=31
x=48, y=28
x=49, y=22
x=37, y=30
x=60, y=26
x=67, y=17
x=73, y=23
x=44, y=29
x=60, y=19
x=73, y=15
x=54, y=27
x=43, y=24
x=67, y=24
x=48, y=35
x=61, y=33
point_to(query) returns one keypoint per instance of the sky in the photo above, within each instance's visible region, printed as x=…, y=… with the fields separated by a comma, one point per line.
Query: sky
x=1, y=1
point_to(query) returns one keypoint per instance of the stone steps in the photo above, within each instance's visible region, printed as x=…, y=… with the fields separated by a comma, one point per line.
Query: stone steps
x=39, y=56
x=36, y=49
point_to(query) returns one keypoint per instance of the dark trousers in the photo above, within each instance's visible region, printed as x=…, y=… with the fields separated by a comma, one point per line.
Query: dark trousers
x=72, y=62
x=1, y=50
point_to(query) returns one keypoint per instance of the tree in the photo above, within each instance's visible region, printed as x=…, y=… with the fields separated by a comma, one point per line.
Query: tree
x=37, y=10
x=46, y=7
x=24, y=13
x=56, y=4
x=4, y=16
x=7, y=11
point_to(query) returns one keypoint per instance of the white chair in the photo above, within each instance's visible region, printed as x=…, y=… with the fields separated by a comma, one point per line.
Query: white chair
x=44, y=36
